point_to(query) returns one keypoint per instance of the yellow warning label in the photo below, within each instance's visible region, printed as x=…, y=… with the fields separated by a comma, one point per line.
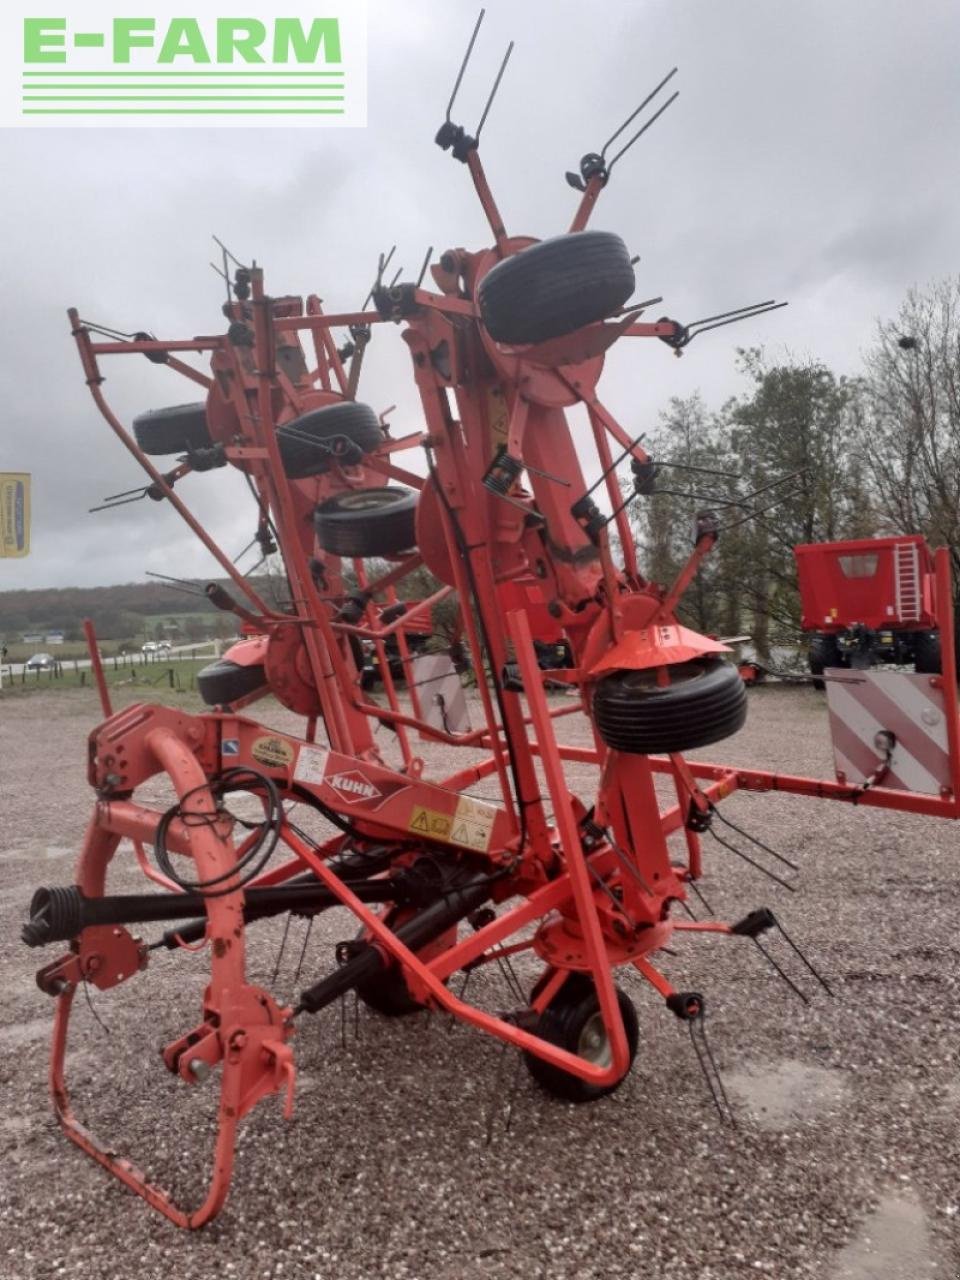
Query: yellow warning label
x=276, y=752
x=428, y=822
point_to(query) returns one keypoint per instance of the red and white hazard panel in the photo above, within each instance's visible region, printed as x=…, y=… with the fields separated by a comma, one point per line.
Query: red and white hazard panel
x=868, y=706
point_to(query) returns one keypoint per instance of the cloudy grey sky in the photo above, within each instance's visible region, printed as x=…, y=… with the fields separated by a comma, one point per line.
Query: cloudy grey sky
x=811, y=155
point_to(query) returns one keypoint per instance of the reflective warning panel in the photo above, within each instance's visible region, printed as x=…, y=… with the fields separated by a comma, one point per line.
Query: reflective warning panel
x=865, y=706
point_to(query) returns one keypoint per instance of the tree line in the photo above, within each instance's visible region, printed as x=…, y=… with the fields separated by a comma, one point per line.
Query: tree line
x=828, y=456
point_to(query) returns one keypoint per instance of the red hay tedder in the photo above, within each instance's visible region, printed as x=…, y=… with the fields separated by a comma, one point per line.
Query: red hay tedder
x=508, y=339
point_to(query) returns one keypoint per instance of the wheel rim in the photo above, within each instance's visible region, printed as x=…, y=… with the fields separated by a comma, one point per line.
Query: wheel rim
x=366, y=500
x=594, y=1043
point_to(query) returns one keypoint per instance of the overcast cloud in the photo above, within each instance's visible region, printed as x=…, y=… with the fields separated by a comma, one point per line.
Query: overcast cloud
x=812, y=155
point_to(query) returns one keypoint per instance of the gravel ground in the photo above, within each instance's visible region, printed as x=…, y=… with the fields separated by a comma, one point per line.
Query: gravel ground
x=844, y=1164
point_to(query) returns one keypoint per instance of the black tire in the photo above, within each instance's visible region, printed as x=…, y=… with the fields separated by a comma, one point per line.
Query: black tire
x=556, y=287
x=705, y=702
x=179, y=429
x=225, y=681
x=824, y=652
x=927, y=658
x=353, y=429
x=572, y=1021
x=388, y=995
x=367, y=522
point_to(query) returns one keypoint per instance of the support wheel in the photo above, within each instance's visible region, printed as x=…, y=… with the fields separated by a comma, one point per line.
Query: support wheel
x=367, y=522
x=572, y=1020
x=179, y=429
x=556, y=287
x=311, y=442
x=704, y=702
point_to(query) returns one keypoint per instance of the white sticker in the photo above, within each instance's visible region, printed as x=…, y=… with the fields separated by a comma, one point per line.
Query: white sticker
x=472, y=823
x=311, y=764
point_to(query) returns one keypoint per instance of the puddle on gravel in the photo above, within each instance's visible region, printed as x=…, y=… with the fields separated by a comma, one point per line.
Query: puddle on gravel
x=893, y=1244
x=786, y=1091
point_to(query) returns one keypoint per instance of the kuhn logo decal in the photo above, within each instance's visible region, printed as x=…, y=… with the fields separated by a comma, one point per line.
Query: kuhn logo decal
x=354, y=786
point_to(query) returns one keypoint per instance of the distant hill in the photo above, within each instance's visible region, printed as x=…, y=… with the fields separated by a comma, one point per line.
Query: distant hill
x=131, y=609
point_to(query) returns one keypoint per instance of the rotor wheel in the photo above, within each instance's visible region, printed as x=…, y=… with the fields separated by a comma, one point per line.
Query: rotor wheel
x=573, y=1021
x=388, y=993
x=704, y=702
x=367, y=522
x=335, y=432
x=555, y=287
x=180, y=428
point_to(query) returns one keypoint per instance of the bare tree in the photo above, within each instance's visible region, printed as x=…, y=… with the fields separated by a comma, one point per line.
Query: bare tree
x=909, y=428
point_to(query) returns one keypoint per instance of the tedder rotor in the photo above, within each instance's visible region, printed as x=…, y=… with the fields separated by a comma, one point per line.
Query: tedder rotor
x=508, y=340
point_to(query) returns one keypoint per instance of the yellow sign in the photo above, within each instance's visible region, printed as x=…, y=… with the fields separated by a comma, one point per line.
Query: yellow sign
x=471, y=824
x=14, y=513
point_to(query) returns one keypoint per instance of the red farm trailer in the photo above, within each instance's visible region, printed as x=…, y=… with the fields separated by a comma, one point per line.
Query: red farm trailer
x=869, y=601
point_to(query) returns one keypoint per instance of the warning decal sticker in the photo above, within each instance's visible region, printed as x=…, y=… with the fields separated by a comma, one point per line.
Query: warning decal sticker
x=311, y=764
x=470, y=825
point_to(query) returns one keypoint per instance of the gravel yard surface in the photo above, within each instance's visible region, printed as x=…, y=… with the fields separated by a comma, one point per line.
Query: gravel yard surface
x=844, y=1165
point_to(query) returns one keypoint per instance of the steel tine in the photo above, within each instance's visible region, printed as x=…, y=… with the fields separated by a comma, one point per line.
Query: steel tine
x=493, y=91
x=463, y=65
x=641, y=131
x=633, y=115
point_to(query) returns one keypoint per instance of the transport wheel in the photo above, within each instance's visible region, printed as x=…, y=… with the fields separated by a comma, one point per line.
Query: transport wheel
x=352, y=429
x=824, y=652
x=927, y=659
x=178, y=429
x=367, y=522
x=556, y=287
x=704, y=702
x=572, y=1020
x=226, y=681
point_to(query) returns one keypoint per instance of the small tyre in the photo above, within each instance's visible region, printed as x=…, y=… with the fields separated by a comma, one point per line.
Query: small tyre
x=572, y=1020
x=927, y=658
x=179, y=429
x=367, y=522
x=305, y=444
x=556, y=286
x=704, y=702
x=225, y=681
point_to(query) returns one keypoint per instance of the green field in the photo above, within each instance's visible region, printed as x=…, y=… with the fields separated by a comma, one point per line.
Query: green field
x=162, y=681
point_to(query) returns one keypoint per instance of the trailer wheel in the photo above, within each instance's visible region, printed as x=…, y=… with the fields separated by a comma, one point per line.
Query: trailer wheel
x=704, y=702
x=367, y=522
x=305, y=443
x=824, y=652
x=225, y=681
x=572, y=1020
x=178, y=429
x=556, y=287
x=927, y=658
